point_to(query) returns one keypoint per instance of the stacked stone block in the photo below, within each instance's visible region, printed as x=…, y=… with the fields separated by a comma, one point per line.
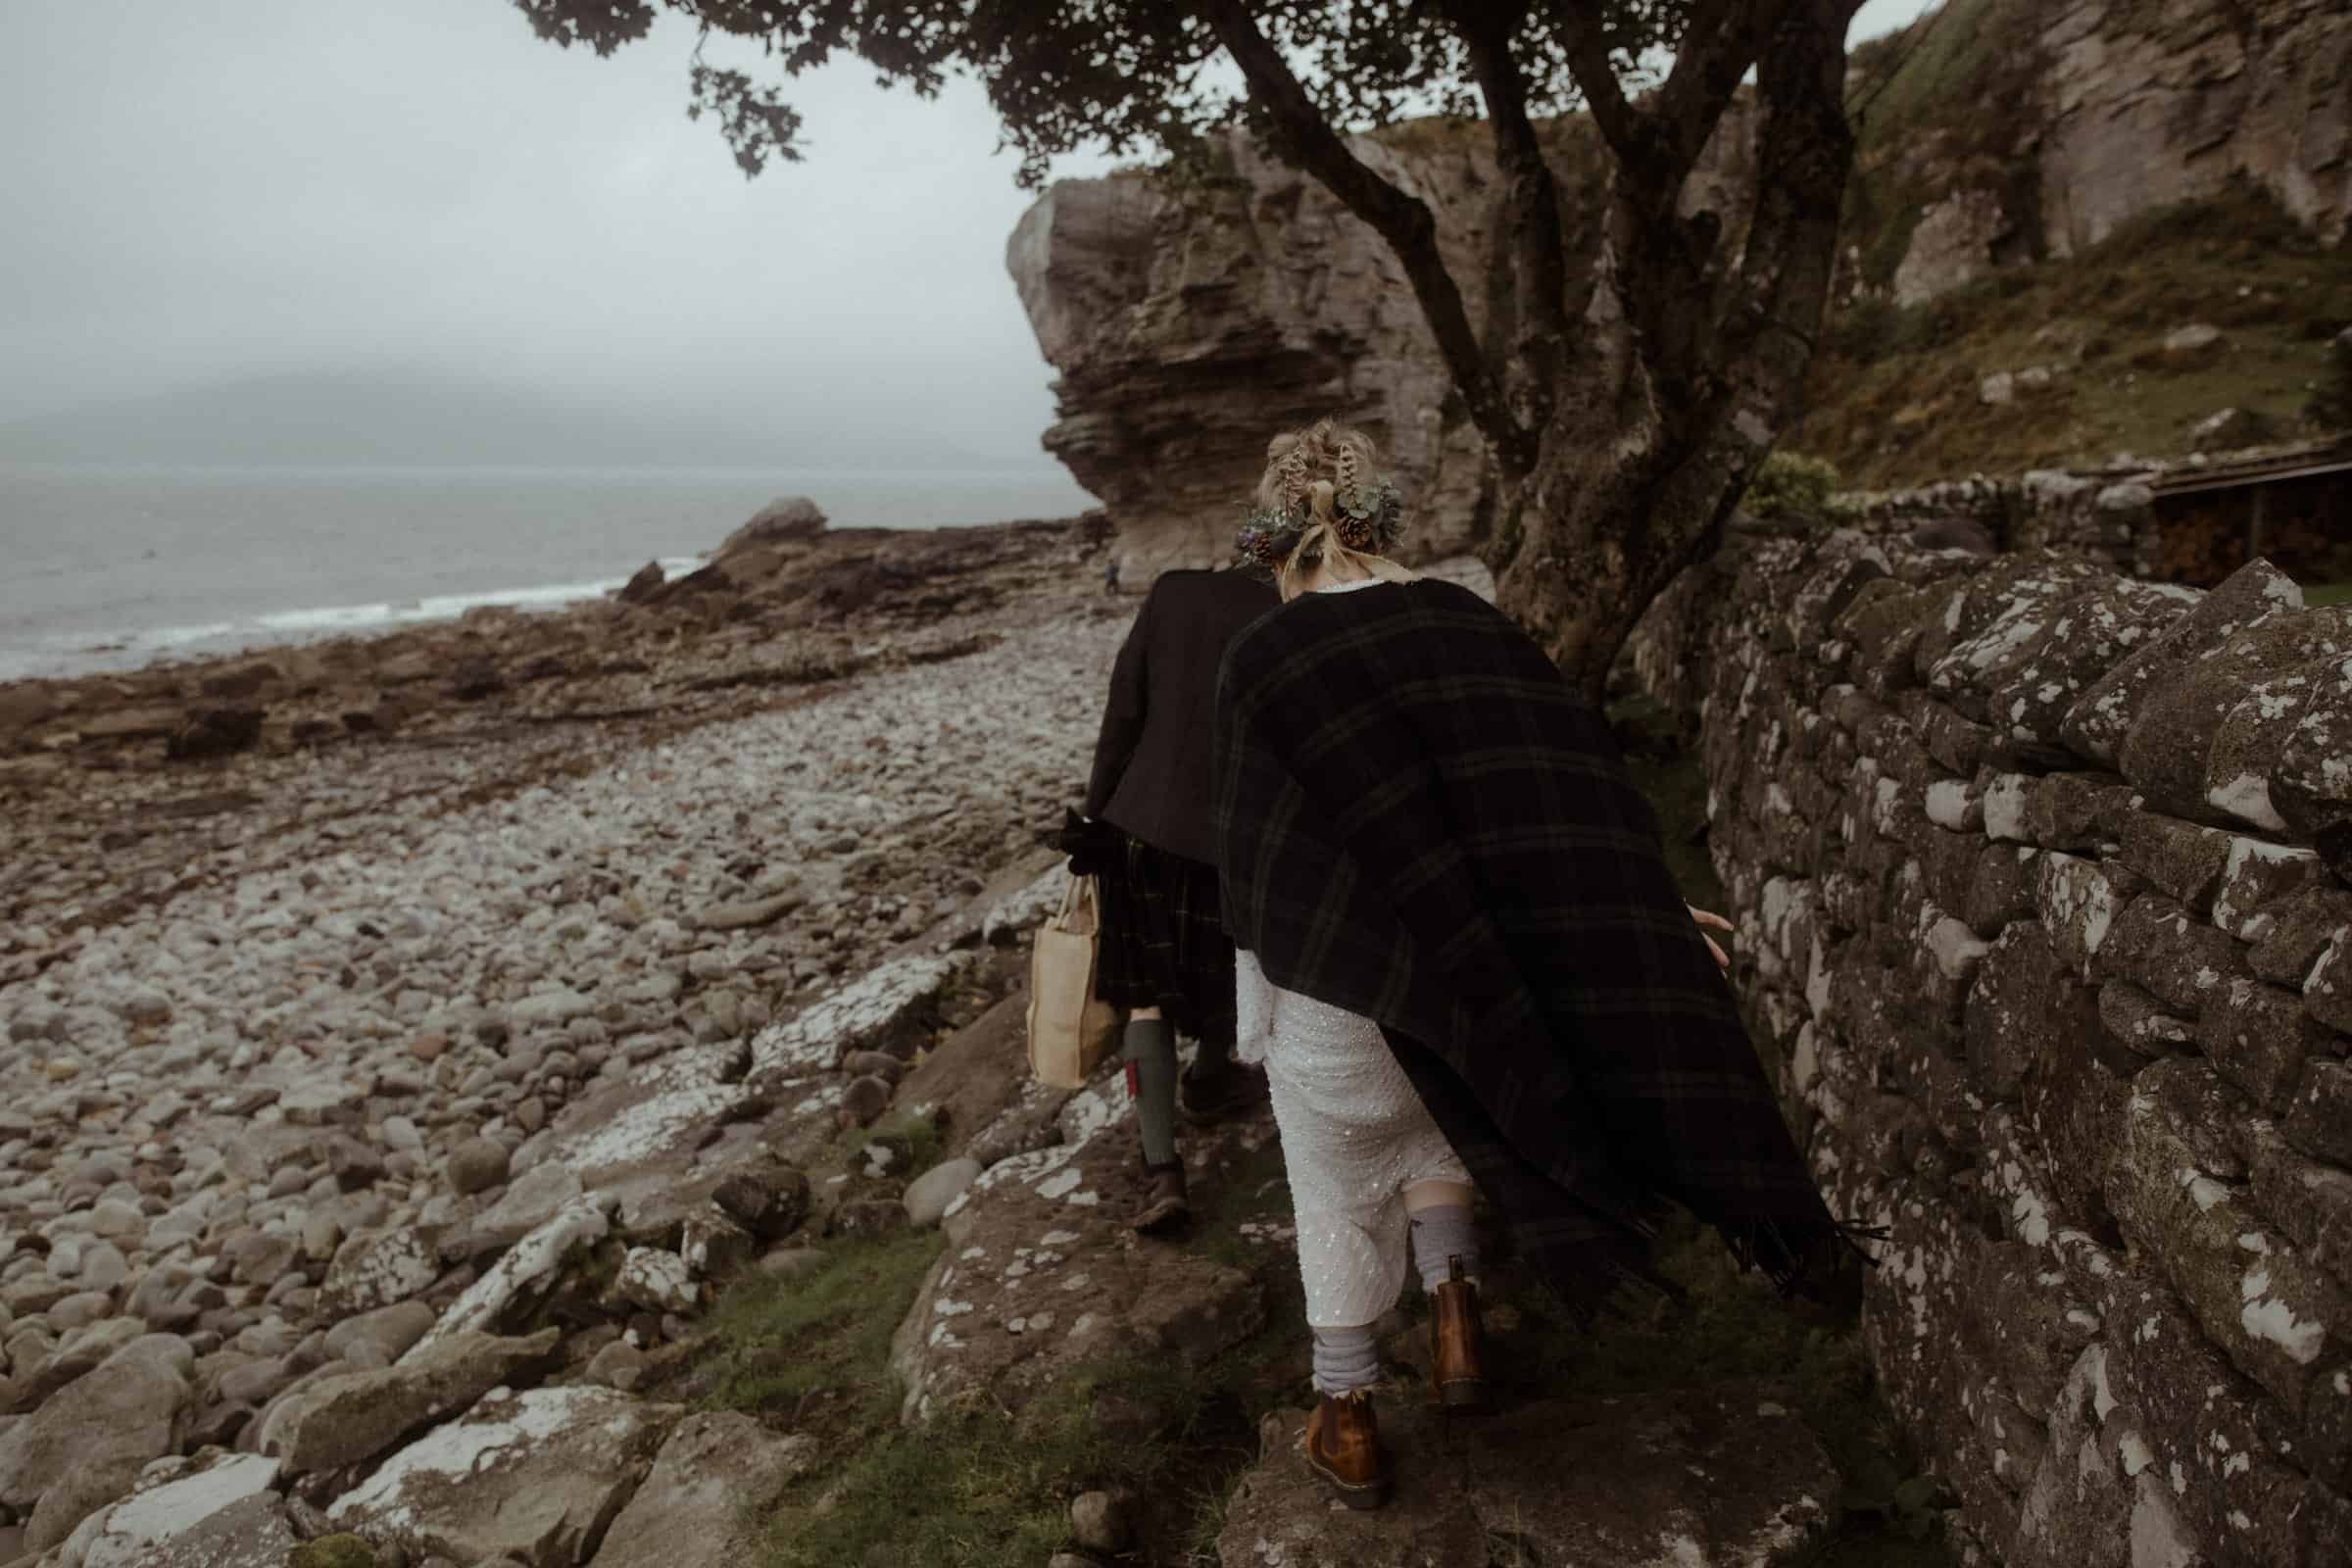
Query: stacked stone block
x=2046, y=881
x=2105, y=516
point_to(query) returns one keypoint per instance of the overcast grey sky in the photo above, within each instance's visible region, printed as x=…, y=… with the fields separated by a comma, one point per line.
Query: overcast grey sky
x=196, y=192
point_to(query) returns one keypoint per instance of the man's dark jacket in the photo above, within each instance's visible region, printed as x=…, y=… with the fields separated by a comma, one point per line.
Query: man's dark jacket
x=1152, y=772
x=1420, y=822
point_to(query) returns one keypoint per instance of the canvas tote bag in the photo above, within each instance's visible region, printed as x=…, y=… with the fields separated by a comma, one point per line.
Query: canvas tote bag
x=1070, y=1028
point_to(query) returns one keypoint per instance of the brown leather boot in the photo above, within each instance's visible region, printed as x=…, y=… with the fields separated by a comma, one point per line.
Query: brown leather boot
x=1343, y=1446
x=1164, y=1208
x=1457, y=1368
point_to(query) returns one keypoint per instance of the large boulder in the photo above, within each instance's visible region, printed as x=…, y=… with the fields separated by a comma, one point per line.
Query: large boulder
x=1042, y=1275
x=1187, y=322
x=521, y=1279
x=1725, y=1476
x=537, y=1476
x=158, y=1522
x=85, y=1447
x=718, y=1472
x=353, y=1416
x=785, y=521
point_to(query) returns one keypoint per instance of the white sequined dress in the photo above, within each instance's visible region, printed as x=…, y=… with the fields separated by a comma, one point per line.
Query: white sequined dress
x=1354, y=1136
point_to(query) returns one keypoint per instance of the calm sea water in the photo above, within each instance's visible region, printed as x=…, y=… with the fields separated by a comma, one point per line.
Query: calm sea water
x=113, y=568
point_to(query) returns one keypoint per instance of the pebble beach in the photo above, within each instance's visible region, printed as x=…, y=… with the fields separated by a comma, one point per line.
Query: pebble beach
x=319, y=944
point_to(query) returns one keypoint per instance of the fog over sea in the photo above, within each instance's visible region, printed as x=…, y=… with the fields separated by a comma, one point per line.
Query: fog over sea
x=113, y=568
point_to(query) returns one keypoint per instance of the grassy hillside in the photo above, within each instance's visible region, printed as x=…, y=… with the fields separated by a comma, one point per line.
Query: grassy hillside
x=1894, y=397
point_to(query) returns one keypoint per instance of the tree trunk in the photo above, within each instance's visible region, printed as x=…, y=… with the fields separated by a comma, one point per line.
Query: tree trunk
x=1690, y=365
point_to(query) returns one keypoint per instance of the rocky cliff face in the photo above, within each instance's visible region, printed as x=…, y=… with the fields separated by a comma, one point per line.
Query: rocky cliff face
x=1190, y=323
x=2119, y=105
x=1190, y=326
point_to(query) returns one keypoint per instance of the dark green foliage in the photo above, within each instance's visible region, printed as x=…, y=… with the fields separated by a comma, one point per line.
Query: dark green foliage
x=1791, y=487
x=1125, y=75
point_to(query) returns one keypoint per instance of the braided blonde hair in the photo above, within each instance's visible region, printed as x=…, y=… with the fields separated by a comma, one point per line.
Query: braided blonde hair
x=1305, y=471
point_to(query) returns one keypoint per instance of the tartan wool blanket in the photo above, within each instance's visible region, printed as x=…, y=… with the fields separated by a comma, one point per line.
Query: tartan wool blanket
x=1421, y=824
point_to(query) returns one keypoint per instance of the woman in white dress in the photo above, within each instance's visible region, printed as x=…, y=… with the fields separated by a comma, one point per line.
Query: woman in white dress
x=1400, y=836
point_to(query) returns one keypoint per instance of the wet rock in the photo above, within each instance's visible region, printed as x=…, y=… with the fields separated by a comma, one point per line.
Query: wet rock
x=785, y=521
x=1594, y=1480
x=217, y=732
x=353, y=1416
x=642, y=586
x=538, y=1476
x=716, y=1472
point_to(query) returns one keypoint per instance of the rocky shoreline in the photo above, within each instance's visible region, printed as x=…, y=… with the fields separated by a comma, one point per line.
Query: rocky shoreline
x=386, y=1018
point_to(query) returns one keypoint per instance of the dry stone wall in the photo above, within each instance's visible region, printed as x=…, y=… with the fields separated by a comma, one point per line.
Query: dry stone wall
x=2046, y=881
x=2108, y=516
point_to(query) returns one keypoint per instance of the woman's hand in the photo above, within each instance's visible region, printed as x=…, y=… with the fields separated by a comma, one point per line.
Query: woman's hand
x=1723, y=960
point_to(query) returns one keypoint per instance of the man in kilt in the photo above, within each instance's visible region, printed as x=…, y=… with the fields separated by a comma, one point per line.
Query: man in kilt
x=1163, y=955
x=1464, y=958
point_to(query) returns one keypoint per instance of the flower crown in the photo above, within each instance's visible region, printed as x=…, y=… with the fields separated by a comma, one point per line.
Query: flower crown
x=1368, y=516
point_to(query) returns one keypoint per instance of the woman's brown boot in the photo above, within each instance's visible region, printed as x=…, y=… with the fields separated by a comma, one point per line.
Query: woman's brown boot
x=1458, y=1367
x=1343, y=1446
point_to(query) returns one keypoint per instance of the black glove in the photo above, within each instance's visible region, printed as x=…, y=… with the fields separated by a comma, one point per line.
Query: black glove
x=1092, y=846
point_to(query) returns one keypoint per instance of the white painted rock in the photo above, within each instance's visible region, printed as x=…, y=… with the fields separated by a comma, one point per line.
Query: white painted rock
x=524, y=1273
x=118, y=1537
x=377, y=1269
x=655, y=1280
x=538, y=1476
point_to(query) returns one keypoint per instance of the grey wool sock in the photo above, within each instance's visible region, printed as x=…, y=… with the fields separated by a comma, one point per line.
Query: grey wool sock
x=1150, y=1048
x=1346, y=1360
x=1441, y=1233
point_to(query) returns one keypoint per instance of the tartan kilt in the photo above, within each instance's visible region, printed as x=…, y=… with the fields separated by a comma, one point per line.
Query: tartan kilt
x=1163, y=942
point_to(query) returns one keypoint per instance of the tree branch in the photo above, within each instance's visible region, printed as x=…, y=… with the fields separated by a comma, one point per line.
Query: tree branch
x=1402, y=219
x=1628, y=129
x=1532, y=211
x=1708, y=68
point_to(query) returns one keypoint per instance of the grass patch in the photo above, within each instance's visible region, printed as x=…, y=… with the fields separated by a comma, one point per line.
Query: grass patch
x=2314, y=596
x=989, y=1487
x=823, y=1338
x=1892, y=398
